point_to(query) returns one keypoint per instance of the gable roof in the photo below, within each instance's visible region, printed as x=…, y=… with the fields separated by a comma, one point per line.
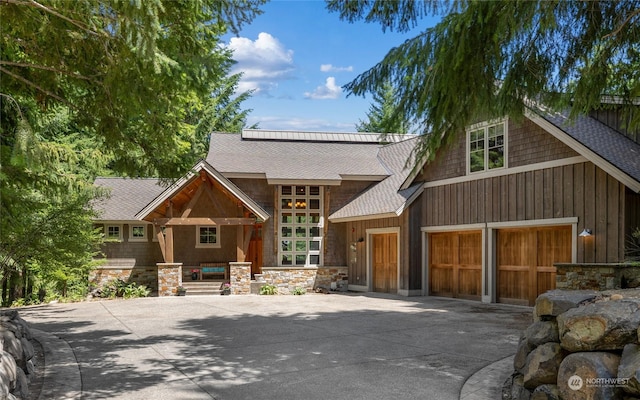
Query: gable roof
x=384, y=199
x=604, y=146
x=607, y=148
x=125, y=197
x=296, y=157
x=227, y=184
x=131, y=199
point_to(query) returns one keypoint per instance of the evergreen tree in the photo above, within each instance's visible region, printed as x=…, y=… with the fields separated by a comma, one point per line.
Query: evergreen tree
x=494, y=58
x=382, y=116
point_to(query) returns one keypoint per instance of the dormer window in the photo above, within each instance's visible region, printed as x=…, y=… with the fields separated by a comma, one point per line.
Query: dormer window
x=486, y=147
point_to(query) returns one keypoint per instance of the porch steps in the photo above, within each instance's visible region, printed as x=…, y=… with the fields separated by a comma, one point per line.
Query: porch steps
x=200, y=288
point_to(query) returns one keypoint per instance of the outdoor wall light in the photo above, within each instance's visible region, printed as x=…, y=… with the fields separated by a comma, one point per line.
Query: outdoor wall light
x=585, y=233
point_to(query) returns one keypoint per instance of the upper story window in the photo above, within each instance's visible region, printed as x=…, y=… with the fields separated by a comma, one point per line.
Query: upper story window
x=207, y=236
x=113, y=232
x=138, y=233
x=301, y=226
x=486, y=147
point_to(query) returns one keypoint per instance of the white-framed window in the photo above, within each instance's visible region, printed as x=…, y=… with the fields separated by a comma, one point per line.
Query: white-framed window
x=137, y=233
x=301, y=226
x=207, y=236
x=113, y=232
x=487, y=147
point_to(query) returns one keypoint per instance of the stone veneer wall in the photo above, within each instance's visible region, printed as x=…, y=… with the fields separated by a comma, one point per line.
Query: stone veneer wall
x=240, y=277
x=287, y=279
x=597, y=276
x=169, y=278
x=147, y=275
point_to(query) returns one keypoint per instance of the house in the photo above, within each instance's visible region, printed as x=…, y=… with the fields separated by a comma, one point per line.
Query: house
x=488, y=219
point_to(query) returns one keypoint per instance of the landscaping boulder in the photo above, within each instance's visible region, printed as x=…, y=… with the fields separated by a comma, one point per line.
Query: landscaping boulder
x=541, y=332
x=555, y=302
x=520, y=358
x=546, y=392
x=542, y=365
x=514, y=389
x=588, y=375
x=608, y=325
x=629, y=369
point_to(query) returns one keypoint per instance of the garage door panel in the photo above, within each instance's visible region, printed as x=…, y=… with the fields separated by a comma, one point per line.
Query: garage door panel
x=455, y=264
x=525, y=259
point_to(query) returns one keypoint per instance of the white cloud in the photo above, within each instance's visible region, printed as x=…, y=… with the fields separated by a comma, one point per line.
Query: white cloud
x=263, y=62
x=329, y=91
x=331, y=68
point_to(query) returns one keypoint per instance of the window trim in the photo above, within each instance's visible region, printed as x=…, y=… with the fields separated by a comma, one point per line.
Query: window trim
x=485, y=126
x=106, y=232
x=307, y=197
x=215, y=245
x=145, y=236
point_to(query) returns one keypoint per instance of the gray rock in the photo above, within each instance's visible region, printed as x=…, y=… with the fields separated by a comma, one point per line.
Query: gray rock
x=27, y=349
x=541, y=332
x=584, y=375
x=542, y=365
x=606, y=325
x=520, y=358
x=555, y=302
x=21, y=389
x=546, y=392
x=629, y=368
x=514, y=389
x=12, y=345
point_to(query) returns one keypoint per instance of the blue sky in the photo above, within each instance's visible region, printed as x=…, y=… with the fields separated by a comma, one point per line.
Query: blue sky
x=297, y=55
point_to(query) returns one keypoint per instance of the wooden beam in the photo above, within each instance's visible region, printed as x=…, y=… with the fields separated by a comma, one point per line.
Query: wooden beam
x=187, y=210
x=160, y=235
x=240, y=253
x=169, y=244
x=203, y=221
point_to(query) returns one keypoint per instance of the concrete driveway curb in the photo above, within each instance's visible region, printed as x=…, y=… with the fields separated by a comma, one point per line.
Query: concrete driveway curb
x=486, y=384
x=62, y=378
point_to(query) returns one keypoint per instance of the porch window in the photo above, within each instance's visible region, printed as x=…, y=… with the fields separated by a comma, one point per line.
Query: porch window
x=113, y=232
x=301, y=226
x=138, y=233
x=486, y=147
x=207, y=237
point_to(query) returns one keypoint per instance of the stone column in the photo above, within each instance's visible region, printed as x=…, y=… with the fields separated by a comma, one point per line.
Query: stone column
x=240, y=277
x=169, y=278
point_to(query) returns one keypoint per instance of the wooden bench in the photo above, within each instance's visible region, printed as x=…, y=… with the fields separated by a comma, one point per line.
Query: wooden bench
x=214, y=270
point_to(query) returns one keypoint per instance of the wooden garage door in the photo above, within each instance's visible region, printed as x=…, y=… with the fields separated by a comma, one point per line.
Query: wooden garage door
x=385, y=262
x=455, y=264
x=525, y=259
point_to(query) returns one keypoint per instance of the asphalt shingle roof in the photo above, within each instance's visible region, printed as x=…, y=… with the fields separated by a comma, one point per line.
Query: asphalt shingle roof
x=384, y=197
x=294, y=160
x=606, y=142
x=126, y=198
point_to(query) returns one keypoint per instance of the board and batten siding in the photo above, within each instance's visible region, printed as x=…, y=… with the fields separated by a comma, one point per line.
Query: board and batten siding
x=579, y=190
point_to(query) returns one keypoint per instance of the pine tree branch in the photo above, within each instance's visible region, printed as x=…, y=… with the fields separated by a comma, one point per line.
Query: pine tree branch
x=34, y=3
x=623, y=24
x=45, y=68
x=48, y=93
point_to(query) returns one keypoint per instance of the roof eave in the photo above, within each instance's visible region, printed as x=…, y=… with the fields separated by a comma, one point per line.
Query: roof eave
x=583, y=150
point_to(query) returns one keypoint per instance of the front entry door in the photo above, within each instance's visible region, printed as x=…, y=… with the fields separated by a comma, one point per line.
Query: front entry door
x=254, y=253
x=385, y=262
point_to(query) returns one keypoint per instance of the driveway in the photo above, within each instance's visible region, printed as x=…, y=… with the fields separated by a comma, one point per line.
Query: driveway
x=336, y=346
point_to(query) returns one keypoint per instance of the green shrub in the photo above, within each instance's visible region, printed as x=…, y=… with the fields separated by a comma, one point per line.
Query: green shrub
x=120, y=288
x=268, y=290
x=299, y=291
